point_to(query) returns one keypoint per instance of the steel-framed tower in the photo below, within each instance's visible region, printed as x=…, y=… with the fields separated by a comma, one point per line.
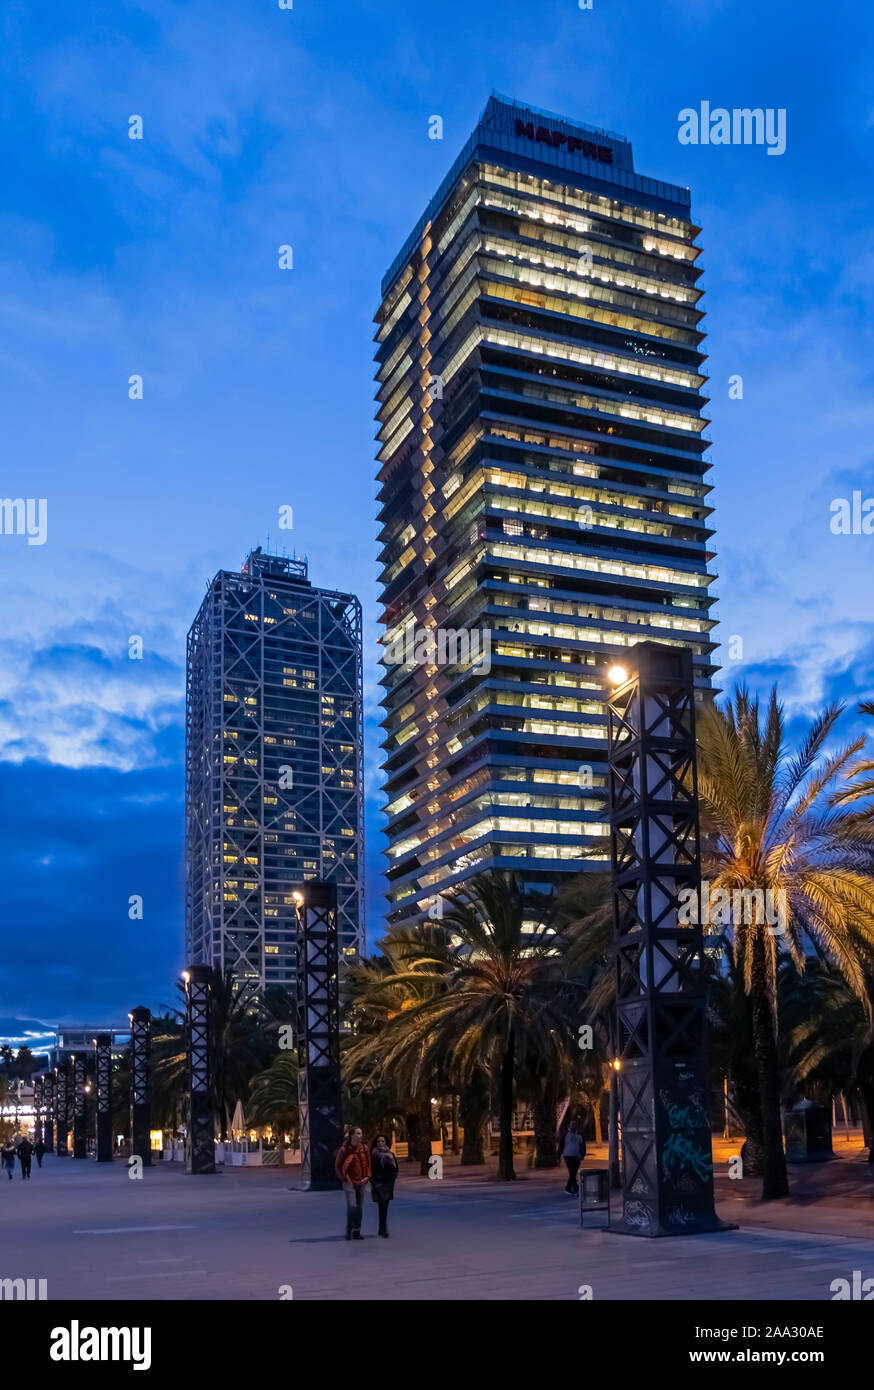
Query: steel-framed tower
x=61, y=1108
x=103, y=1078
x=274, y=747
x=140, y=1084
x=48, y=1090
x=318, y=1036
x=38, y=1109
x=80, y=1135
x=667, y=1162
x=200, y=1132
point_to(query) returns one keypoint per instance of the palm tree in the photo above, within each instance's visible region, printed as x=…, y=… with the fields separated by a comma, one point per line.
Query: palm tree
x=168, y=1080
x=384, y=993
x=775, y=822
x=239, y=1051
x=273, y=1098
x=237, y=1033
x=24, y=1063
x=829, y=1037
x=490, y=980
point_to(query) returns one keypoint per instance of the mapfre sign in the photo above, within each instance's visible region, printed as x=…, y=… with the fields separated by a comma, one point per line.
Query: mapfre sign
x=572, y=143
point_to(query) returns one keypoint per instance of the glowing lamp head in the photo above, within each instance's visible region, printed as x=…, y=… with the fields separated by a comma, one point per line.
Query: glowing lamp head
x=185, y=977
x=617, y=675
x=298, y=898
x=617, y=1065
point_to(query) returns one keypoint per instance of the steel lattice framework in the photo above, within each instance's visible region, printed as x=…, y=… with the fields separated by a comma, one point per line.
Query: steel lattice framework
x=48, y=1090
x=140, y=1103
x=274, y=736
x=71, y=1097
x=318, y=1036
x=200, y=1136
x=37, y=1108
x=103, y=1071
x=61, y=1107
x=80, y=1145
x=667, y=1166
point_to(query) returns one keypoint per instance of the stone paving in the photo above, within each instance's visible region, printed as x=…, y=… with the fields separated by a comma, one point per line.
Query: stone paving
x=94, y=1233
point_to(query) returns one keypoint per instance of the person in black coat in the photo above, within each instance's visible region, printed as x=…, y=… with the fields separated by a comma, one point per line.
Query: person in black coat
x=39, y=1149
x=7, y=1157
x=25, y=1154
x=383, y=1175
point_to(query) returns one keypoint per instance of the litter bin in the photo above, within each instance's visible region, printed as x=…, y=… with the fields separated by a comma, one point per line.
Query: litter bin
x=594, y=1184
x=808, y=1133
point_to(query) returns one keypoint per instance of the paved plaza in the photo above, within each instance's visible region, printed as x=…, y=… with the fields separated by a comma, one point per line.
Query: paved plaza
x=94, y=1233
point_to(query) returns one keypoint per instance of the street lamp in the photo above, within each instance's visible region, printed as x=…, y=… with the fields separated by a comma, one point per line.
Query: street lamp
x=80, y=1146
x=103, y=1062
x=61, y=1079
x=140, y=1058
x=613, y=1125
x=200, y=1139
x=318, y=1035
x=667, y=1168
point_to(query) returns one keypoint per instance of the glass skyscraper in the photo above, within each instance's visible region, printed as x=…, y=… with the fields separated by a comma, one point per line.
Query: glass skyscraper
x=273, y=765
x=542, y=489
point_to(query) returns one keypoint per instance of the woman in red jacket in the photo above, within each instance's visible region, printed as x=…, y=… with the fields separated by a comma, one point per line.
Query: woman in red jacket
x=353, y=1170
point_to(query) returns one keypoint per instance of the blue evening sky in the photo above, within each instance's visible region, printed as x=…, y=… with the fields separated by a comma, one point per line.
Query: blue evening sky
x=309, y=127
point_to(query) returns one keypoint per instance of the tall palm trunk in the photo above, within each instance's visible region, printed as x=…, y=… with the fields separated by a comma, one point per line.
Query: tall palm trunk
x=867, y=1092
x=747, y=1105
x=473, y=1109
x=596, y=1116
x=506, y=1170
x=411, y=1120
x=774, y=1179
x=425, y=1135
x=545, y=1105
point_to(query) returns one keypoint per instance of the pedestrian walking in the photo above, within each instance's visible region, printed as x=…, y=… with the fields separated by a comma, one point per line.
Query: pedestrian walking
x=573, y=1152
x=39, y=1149
x=352, y=1167
x=383, y=1175
x=25, y=1156
x=7, y=1154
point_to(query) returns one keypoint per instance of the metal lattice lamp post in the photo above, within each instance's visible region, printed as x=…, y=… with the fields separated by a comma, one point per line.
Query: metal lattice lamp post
x=103, y=1066
x=140, y=1062
x=80, y=1143
x=61, y=1078
x=71, y=1099
x=667, y=1164
x=48, y=1088
x=200, y=1138
x=318, y=1035
x=37, y=1109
